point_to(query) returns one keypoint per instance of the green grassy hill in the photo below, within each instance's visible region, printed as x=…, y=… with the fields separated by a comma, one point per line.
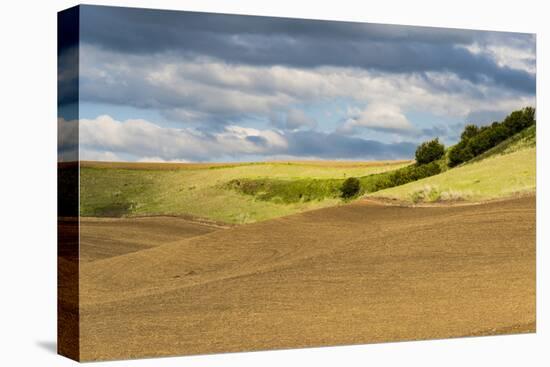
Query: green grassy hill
x=506, y=170
x=522, y=140
x=131, y=189
x=250, y=192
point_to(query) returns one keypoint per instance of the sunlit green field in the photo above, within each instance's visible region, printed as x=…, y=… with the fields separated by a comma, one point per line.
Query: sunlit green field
x=508, y=169
x=250, y=192
x=494, y=177
x=127, y=189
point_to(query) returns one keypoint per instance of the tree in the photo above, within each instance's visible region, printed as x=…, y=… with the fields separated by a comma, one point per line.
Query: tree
x=429, y=151
x=469, y=132
x=476, y=140
x=519, y=120
x=350, y=187
x=459, y=153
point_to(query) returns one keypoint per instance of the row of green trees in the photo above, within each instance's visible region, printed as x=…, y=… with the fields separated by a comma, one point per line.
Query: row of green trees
x=430, y=160
x=475, y=140
x=427, y=154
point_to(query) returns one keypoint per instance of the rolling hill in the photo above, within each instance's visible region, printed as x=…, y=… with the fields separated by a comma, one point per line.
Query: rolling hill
x=136, y=189
x=355, y=273
x=507, y=170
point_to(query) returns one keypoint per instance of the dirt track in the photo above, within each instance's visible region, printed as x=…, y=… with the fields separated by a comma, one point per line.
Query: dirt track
x=352, y=274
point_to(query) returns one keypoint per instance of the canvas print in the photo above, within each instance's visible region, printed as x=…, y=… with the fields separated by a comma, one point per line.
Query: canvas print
x=237, y=183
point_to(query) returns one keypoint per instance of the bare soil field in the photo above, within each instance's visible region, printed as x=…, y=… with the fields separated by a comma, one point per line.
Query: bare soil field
x=102, y=238
x=357, y=273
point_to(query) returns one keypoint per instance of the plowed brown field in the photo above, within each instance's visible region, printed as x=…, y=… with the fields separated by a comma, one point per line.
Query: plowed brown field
x=101, y=238
x=357, y=273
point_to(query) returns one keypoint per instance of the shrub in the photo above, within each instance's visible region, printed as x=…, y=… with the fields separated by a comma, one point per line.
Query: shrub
x=286, y=191
x=401, y=176
x=488, y=138
x=477, y=140
x=469, y=132
x=350, y=187
x=459, y=154
x=426, y=194
x=429, y=151
x=519, y=120
x=305, y=190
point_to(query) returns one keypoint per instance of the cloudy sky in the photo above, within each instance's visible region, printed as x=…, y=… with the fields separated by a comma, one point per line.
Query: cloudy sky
x=185, y=86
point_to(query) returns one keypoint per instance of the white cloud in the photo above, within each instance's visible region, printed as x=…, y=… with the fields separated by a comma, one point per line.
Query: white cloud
x=67, y=140
x=297, y=119
x=98, y=155
x=514, y=55
x=293, y=120
x=105, y=138
x=513, y=58
x=378, y=116
x=207, y=91
x=144, y=140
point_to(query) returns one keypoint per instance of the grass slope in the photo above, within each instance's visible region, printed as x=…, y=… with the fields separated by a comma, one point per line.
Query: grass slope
x=250, y=192
x=524, y=139
x=289, y=191
x=127, y=189
x=505, y=170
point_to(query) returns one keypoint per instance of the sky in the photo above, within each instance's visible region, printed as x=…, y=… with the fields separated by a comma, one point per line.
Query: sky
x=158, y=85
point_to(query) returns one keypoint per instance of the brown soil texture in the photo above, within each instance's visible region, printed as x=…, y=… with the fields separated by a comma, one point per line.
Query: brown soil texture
x=358, y=273
x=101, y=238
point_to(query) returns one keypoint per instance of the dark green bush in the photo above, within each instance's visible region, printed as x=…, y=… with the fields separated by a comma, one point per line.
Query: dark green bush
x=459, y=154
x=400, y=176
x=350, y=187
x=519, y=120
x=287, y=191
x=469, y=132
x=488, y=138
x=305, y=190
x=477, y=140
x=429, y=151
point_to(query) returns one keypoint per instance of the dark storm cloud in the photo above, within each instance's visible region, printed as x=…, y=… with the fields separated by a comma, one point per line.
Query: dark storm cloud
x=303, y=43
x=67, y=76
x=67, y=52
